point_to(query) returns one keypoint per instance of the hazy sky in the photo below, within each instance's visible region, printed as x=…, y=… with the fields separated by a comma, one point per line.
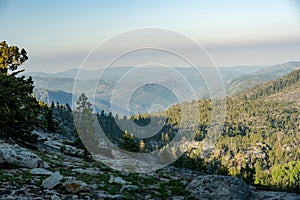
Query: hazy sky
x=59, y=34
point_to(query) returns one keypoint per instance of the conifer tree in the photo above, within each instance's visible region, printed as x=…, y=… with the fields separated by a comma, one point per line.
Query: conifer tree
x=18, y=108
x=84, y=121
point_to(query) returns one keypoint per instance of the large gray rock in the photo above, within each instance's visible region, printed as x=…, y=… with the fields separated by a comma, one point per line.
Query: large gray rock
x=218, y=187
x=20, y=157
x=52, y=180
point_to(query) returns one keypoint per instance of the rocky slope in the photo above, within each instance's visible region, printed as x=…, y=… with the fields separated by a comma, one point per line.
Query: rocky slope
x=55, y=171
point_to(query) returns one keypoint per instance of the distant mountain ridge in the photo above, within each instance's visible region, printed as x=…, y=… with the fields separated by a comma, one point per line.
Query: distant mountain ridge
x=265, y=75
x=71, y=73
x=84, y=74
x=116, y=72
x=228, y=73
x=236, y=79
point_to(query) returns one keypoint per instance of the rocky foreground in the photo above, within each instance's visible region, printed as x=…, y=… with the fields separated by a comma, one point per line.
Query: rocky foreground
x=56, y=171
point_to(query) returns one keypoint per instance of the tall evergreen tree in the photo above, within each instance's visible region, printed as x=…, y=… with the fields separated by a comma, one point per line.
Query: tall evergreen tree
x=84, y=121
x=18, y=108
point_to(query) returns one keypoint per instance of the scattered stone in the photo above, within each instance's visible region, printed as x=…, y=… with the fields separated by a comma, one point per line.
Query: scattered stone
x=154, y=187
x=109, y=196
x=218, y=187
x=94, y=186
x=52, y=180
x=177, y=198
x=20, y=157
x=129, y=187
x=18, y=192
x=118, y=180
x=10, y=197
x=76, y=187
x=69, y=179
x=46, y=165
x=13, y=186
x=52, y=192
x=166, y=180
x=148, y=196
x=40, y=171
x=90, y=171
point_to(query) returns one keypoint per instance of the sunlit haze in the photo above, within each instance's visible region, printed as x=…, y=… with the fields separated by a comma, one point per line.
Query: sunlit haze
x=59, y=34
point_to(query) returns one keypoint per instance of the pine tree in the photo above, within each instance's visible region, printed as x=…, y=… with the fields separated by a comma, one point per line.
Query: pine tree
x=128, y=142
x=18, y=108
x=84, y=122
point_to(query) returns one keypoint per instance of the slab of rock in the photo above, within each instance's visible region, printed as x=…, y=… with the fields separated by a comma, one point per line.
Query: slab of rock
x=20, y=157
x=90, y=171
x=52, y=180
x=109, y=196
x=40, y=171
x=218, y=187
x=76, y=187
x=177, y=198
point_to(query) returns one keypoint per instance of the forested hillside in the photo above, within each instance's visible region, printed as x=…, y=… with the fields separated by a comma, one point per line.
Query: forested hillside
x=260, y=141
x=287, y=83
